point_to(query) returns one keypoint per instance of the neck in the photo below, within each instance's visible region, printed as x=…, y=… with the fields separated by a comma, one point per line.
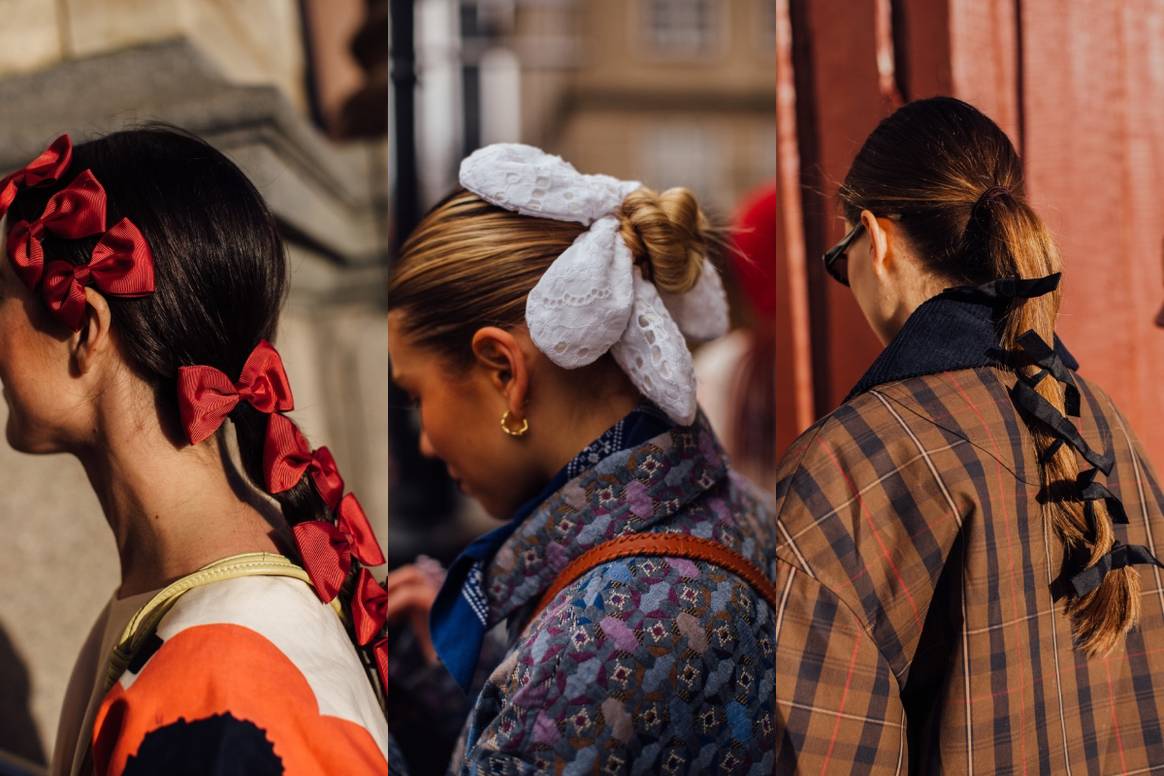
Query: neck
x=581, y=429
x=912, y=296
x=173, y=509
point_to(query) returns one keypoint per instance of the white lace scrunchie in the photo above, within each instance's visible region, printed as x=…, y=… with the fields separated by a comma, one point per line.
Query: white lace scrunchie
x=593, y=298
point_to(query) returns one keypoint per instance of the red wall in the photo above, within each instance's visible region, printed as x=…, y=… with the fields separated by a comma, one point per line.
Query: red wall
x=1093, y=86
x=1079, y=86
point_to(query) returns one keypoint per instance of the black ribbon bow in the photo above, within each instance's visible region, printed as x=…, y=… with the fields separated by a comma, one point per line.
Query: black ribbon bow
x=1118, y=557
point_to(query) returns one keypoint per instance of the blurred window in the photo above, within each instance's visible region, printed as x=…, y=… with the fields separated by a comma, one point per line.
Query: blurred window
x=682, y=27
x=690, y=155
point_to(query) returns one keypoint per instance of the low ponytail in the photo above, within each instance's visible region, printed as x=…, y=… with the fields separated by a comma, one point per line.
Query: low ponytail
x=955, y=180
x=1007, y=233
x=334, y=540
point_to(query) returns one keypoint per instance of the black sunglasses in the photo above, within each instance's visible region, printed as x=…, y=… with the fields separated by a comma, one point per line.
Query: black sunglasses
x=835, y=261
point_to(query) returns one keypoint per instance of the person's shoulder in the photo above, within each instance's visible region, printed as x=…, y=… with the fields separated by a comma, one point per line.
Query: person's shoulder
x=266, y=604
x=908, y=416
x=274, y=624
x=270, y=613
x=1105, y=424
x=866, y=412
x=640, y=608
x=254, y=660
x=633, y=658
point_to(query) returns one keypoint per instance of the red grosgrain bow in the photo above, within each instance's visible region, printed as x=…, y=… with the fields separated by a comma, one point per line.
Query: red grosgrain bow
x=76, y=211
x=369, y=607
x=328, y=549
x=121, y=265
x=286, y=456
x=206, y=396
x=380, y=656
x=46, y=168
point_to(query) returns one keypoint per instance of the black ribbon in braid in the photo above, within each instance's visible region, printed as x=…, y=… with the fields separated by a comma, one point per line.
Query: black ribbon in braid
x=1049, y=363
x=1091, y=491
x=1035, y=351
x=1006, y=290
x=1118, y=557
x=1033, y=404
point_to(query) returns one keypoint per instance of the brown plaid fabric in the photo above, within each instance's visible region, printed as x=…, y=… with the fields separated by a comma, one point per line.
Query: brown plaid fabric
x=917, y=630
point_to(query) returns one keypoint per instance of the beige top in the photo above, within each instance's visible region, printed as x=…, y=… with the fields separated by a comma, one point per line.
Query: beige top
x=83, y=696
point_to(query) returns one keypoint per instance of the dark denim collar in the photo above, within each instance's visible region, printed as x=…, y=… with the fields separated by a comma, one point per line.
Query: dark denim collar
x=952, y=331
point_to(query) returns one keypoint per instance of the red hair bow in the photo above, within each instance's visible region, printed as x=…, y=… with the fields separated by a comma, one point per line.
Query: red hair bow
x=121, y=265
x=46, y=168
x=369, y=607
x=206, y=396
x=76, y=211
x=380, y=656
x=286, y=456
x=328, y=549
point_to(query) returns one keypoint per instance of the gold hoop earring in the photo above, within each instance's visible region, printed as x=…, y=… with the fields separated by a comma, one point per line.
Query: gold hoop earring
x=519, y=432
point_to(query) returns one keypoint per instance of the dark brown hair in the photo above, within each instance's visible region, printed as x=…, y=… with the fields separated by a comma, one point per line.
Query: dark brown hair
x=957, y=182
x=220, y=278
x=221, y=274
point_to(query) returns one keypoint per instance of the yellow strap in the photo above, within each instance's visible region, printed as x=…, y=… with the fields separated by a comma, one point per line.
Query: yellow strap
x=143, y=624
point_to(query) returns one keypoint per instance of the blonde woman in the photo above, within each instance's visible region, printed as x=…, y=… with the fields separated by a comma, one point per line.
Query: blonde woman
x=537, y=316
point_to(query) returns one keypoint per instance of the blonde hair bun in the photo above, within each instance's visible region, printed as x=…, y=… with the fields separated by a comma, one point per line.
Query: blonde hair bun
x=668, y=236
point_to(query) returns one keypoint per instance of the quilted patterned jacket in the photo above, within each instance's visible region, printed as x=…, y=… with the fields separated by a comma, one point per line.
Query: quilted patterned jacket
x=644, y=665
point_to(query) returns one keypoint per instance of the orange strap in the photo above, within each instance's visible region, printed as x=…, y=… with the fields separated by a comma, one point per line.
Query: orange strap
x=670, y=545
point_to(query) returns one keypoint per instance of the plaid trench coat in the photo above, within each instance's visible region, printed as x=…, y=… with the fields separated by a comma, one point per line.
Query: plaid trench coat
x=918, y=631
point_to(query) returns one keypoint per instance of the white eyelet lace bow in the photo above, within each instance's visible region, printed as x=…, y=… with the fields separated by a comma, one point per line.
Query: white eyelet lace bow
x=593, y=299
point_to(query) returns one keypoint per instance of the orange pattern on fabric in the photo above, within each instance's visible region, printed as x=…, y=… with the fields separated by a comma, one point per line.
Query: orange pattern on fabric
x=212, y=669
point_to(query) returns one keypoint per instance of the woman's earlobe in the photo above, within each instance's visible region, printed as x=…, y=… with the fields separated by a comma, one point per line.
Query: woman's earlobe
x=94, y=335
x=500, y=353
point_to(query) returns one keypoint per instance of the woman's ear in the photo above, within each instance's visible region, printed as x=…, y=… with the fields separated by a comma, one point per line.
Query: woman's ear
x=505, y=362
x=880, y=231
x=94, y=339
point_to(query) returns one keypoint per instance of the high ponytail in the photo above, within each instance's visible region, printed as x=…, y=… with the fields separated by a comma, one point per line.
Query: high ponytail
x=956, y=181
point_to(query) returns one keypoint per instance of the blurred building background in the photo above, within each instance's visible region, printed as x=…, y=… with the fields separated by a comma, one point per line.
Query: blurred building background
x=1079, y=87
x=295, y=91
x=682, y=91
x=669, y=92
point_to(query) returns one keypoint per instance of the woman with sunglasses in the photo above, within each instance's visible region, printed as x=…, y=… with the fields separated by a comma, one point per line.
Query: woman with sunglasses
x=969, y=542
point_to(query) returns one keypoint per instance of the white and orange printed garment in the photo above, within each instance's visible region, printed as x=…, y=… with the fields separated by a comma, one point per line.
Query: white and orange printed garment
x=249, y=675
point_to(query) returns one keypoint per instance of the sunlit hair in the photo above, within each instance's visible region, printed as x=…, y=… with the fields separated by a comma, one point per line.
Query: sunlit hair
x=930, y=162
x=471, y=264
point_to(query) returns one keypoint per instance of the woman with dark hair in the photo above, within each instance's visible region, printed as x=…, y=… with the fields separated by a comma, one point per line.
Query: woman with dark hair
x=959, y=541
x=143, y=282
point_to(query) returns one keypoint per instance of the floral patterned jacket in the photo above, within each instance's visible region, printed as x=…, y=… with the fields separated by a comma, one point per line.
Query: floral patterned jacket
x=644, y=665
